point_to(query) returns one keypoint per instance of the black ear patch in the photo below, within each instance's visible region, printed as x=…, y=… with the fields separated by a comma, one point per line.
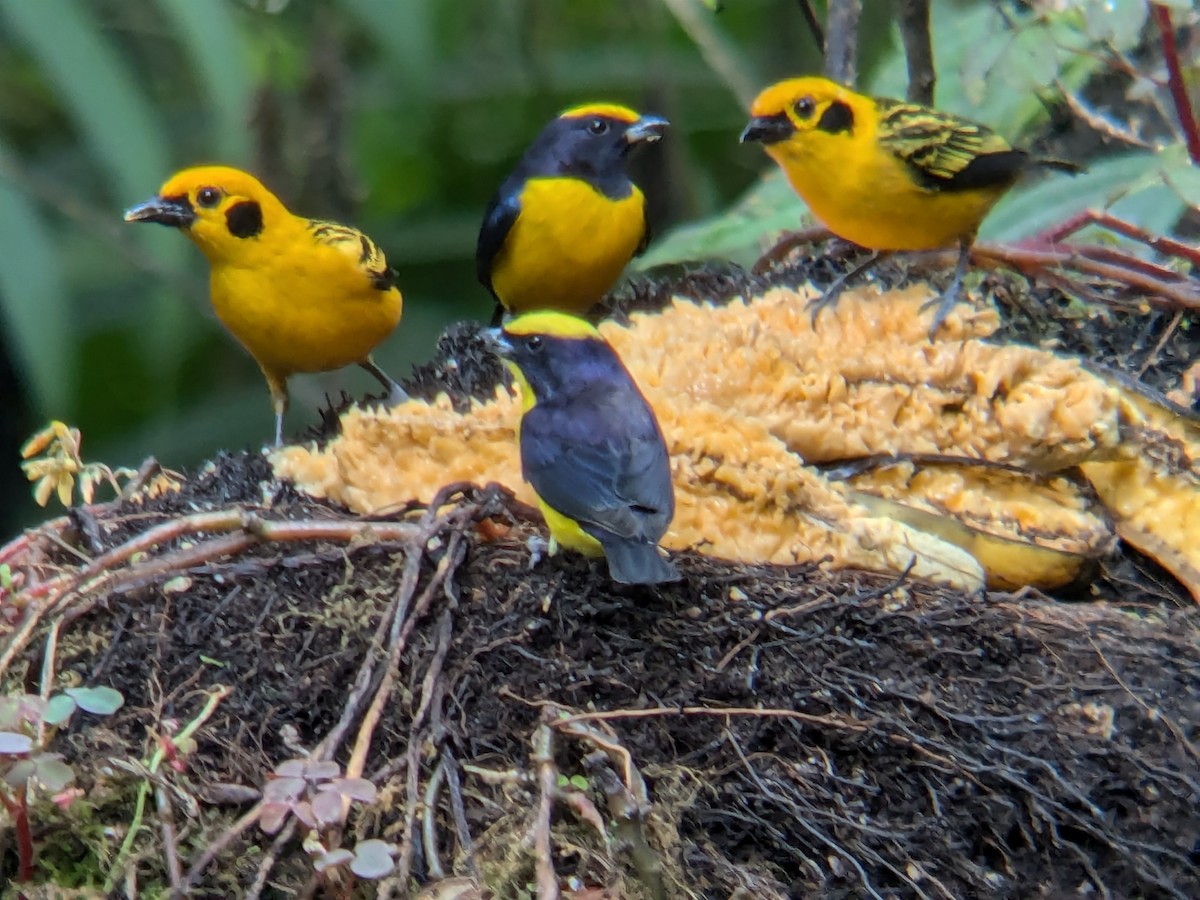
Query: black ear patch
x=244, y=220
x=838, y=117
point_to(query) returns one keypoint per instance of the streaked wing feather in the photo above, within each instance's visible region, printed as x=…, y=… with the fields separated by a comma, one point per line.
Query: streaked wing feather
x=359, y=247
x=944, y=151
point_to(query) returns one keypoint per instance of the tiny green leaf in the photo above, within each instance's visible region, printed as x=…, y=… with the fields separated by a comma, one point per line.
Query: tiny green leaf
x=54, y=773
x=579, y=782
x=58, y=710
x=100, y=701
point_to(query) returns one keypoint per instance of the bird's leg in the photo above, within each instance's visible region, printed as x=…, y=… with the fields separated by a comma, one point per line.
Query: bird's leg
x=277, y=384
x=950, y=297
x=830, y=297
x=396, y=394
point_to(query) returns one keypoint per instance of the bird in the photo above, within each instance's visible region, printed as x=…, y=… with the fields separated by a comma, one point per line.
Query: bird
x=568, y=219
x=590, y=445
x=301, y=295
x=886, y=174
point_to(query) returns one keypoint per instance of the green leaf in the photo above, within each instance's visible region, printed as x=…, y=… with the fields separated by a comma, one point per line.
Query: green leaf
x=1027, y=211
x=115, y=119
x=34, y=304
x=100, y=701
x=984, y=68
x=579, y=782
x=53, y=773
x=738, y=235
x=58, y=710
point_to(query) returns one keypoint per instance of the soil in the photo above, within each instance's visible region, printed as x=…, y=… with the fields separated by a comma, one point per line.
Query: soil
x=748, y=732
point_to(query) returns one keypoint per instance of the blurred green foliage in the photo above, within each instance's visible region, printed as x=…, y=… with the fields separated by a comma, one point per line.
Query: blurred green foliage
x=400, y=116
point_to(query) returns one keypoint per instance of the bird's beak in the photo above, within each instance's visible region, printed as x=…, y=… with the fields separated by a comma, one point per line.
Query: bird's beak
x=768, y=129
x=497, y=341
x=174, y=211
x=647, y=129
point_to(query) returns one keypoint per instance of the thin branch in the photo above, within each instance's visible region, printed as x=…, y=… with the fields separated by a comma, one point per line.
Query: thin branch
x=841, y=41
x=547, y=774
x=1175, y=82
x=918, y=50
x=814, y=24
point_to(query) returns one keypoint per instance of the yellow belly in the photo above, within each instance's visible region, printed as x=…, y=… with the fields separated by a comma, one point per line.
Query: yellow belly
x=874, y=203
x=568, y=246
x=307, y=316
x=568, y=533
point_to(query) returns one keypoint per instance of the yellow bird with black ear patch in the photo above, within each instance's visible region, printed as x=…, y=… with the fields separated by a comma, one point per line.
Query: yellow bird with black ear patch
x=301, y=295
x=591, y=448
x=886, y=174
x=566, y=222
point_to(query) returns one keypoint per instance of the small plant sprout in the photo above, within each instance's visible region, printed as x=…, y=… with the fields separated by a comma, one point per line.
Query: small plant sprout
x=27, y=724
x=53, y=462
x=315, y=792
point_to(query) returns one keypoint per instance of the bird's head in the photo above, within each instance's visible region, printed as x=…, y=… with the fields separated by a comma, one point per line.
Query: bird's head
x=594, y=142
x=552, y=353
x=219, y=208
x=784, y=115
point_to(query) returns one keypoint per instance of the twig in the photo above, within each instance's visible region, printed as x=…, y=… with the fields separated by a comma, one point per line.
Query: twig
x=813, y=23
x=268, y=860
x=543, y=761
x=429, y=821
x=47, y=680
x=844, y=723
x=1167, y=246
x=214, y=849
x=718, y=51
x=1105, y=124
x=629, y=815
x=459, y=813
x=212, y=700
x=841, y=40
x=1178, y=87
x=918, y=50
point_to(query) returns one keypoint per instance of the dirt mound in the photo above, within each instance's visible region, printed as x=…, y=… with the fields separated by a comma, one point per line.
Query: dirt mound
x=748, y=732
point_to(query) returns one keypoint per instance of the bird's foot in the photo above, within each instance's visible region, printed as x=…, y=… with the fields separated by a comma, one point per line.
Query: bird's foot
x=944, y=304
x=539, y=549
x=827, y=300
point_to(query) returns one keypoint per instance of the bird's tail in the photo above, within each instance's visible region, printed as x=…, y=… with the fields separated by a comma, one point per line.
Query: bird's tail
x=637, y=562
x=1059, y=165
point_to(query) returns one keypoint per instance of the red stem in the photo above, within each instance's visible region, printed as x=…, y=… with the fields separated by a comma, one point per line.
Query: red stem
x=19, y=810
x=1179, y=94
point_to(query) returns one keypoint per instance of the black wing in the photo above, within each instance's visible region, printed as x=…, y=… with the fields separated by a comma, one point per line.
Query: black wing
x=498, y=221
x=602, y=463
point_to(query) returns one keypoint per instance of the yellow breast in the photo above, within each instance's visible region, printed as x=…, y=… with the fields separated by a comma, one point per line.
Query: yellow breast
x=298, y=306
x=568, y=246
x=864, y=194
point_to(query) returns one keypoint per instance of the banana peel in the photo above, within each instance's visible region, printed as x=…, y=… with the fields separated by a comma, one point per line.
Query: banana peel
x=970, y=462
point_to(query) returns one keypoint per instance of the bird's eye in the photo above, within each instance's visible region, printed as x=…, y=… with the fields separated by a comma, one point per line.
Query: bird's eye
x=805, y=106
x=208, y=196
x=534, y=343
x=597, y=126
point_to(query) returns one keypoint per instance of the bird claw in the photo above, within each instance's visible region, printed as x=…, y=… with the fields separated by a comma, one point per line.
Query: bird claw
x=539, y=549
x=944, y=304
x=827, y=300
